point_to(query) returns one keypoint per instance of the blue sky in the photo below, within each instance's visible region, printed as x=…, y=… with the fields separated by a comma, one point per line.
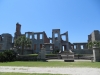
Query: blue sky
x=78, y=17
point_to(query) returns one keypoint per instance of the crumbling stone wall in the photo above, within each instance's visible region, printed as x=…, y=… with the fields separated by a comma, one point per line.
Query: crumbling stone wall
x=94, y=36
x=37, y=42
x=65, y=42
x=0, y=38
x=80, y=46
x=18, y=31
x=46, y=39
x=6, y=41
x=56, y=39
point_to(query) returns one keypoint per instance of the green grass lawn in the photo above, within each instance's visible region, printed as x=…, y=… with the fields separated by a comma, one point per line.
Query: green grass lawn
x=10, y=73
x=52, y=64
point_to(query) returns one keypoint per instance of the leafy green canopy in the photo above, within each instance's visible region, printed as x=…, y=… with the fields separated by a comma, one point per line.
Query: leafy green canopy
x=95, y=43
x=22, y=42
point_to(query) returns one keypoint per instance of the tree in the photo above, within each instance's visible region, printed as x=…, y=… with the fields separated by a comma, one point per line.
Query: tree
x=22, y=42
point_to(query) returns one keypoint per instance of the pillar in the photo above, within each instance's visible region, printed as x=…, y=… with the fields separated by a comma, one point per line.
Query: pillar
x=96, y=54
x=85, y=47
x=78, y=46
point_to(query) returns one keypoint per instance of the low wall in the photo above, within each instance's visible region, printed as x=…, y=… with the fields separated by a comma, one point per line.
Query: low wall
x=26, y=58
x=76, y=51
x=83, y=51
x=53, y=56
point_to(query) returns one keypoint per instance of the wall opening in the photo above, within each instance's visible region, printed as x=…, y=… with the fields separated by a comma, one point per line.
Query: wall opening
x=81, y=46
x=74, y=46
x=35, y=36
x=50, y=40
x=63, y=48
x=30, y=36
x=34, y=46
x=40, y=46
x=63, y=37
x=56, y=34
x=27, y=35
x=41, y=36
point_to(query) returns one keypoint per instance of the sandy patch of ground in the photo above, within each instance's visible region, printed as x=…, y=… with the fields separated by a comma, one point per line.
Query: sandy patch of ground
x=52, y=70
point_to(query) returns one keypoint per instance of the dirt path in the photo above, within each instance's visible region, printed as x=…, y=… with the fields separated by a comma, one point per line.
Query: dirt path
x=52, y=70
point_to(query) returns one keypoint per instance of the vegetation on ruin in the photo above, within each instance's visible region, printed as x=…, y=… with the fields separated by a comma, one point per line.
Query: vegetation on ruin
x=95, y=43
x=22, y=42
x=53, y=64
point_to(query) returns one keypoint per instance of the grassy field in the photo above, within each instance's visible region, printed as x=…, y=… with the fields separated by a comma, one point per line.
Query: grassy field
x=52, y=64
x=10, y=73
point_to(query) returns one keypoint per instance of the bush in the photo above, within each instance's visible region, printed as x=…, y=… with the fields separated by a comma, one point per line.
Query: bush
x=56, y=51
x=7, y=55
x=2, y=57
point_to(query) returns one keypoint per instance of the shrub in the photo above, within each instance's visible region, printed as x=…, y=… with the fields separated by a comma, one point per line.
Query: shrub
x=56, y=51
x=2, y=57
x=7, y=55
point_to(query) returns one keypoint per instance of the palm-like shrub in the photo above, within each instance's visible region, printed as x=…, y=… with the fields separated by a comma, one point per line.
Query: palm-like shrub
x=22, y=42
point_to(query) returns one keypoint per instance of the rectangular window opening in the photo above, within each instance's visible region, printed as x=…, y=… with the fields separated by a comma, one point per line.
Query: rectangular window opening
x=30, y=36
x=56, y=34
x=34, y=46
x=35, y=36
x=50, y=41
x=27, y=35
x=40, y=46
x=74, y=46
x=41, y=36
x=63, y=48
x=81, y=46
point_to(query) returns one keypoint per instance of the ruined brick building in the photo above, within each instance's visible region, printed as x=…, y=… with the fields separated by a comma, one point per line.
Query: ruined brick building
x=51, y=43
